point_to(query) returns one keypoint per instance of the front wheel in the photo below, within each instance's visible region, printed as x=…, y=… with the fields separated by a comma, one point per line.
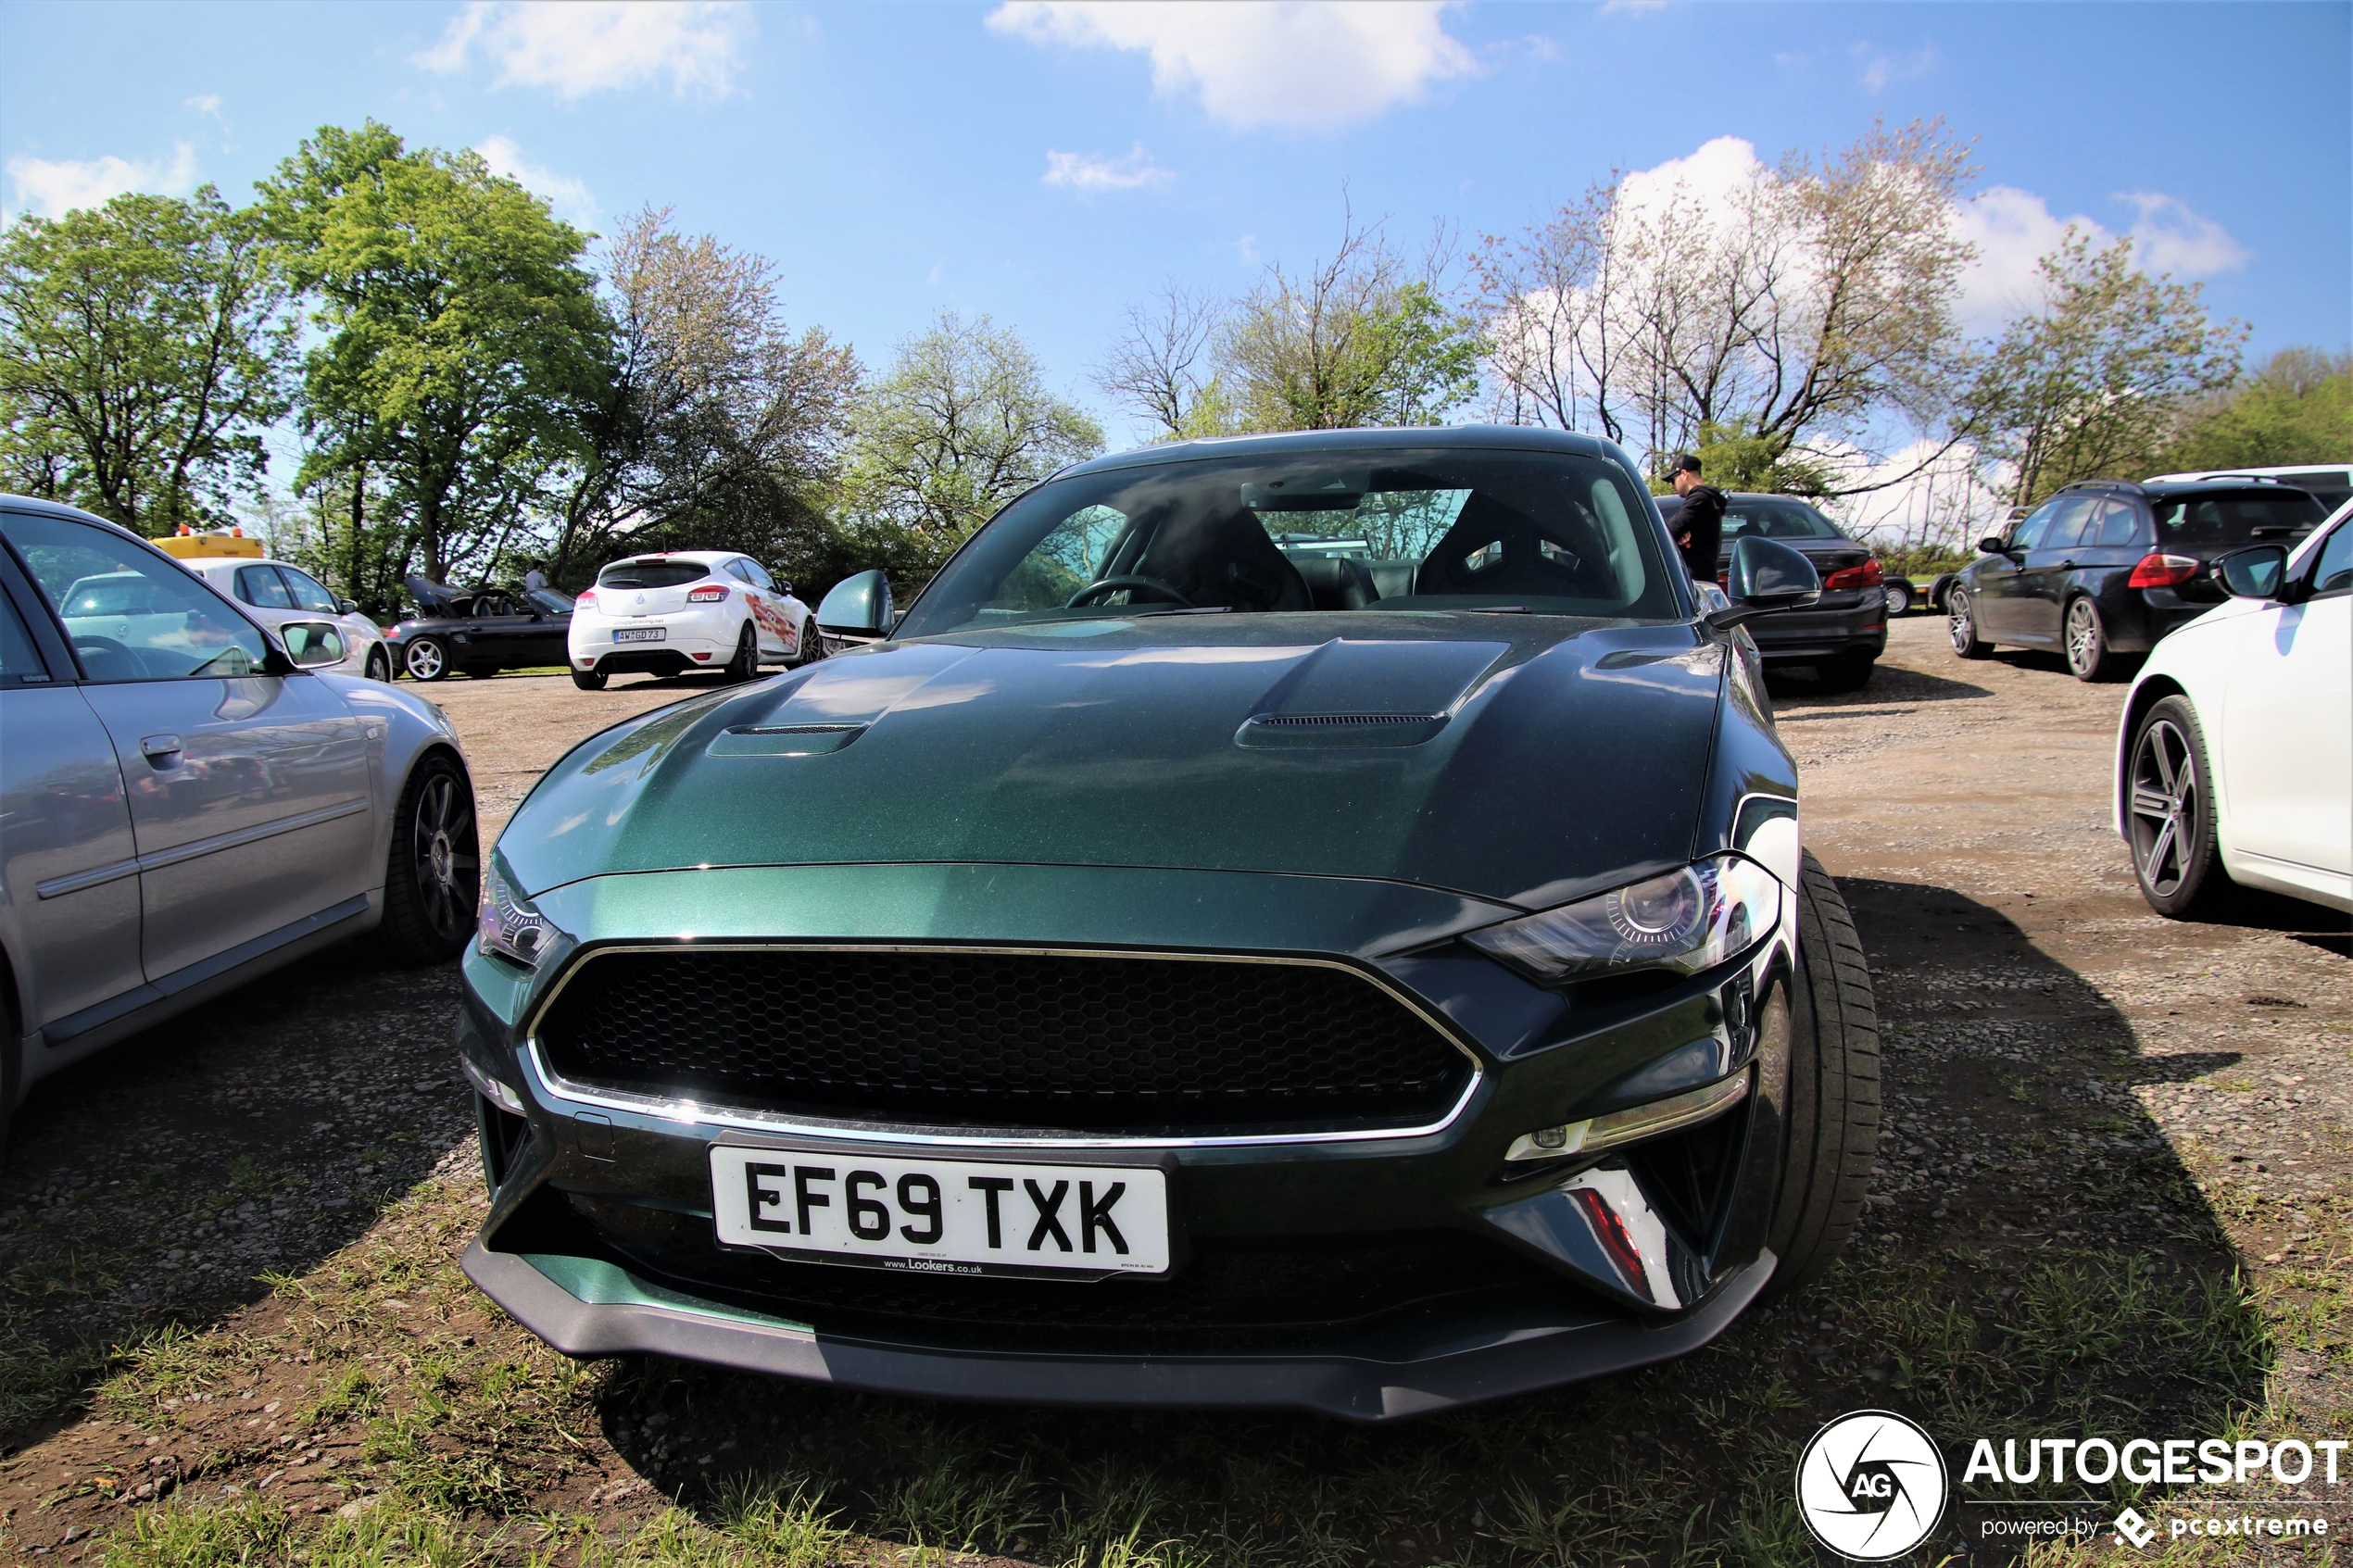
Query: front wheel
x=1960, y=612
x=435, y=872
x=2170, y=824
x=379, y=664
x=425, y=659
x=2088, y=656
x=1832, y=1109
x=813, y=642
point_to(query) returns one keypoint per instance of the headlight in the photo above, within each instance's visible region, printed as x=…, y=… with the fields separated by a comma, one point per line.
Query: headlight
x=1686, y=921
x=509, y=926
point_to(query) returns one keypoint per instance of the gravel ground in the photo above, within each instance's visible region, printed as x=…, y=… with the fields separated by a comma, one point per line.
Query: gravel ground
x=2078, y=1092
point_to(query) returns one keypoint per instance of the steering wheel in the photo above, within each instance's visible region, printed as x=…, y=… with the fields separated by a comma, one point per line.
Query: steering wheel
x=1135, y=585
x=106, y=648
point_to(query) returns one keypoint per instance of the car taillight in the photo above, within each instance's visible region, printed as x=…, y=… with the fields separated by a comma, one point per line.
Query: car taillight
x=2157, y=570
x=587, y=599
x=709, y=594
x=1867, y=575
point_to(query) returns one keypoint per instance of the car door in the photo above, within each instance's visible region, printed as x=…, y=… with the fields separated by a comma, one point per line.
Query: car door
x=2287, y=722
x=769, y=627
x=69, y=867
x=251, y=793
x=2038, y=595
x=1993, y=580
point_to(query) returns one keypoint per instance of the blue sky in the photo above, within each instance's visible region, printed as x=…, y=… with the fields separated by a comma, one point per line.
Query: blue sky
x=1050, y=163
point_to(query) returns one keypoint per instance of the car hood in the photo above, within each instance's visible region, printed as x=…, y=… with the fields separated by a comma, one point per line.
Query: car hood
x=1522, y=759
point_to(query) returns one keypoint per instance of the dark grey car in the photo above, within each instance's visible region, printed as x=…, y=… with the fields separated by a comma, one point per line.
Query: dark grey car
x=186, y=803
x=1842, y=635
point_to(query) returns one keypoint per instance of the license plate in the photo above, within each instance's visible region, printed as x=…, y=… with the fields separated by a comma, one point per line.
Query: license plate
x=641, y=635
x=943, y=1216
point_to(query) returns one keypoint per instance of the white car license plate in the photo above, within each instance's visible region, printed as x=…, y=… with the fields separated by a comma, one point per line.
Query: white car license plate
x=641, y=635
x=948, y=1216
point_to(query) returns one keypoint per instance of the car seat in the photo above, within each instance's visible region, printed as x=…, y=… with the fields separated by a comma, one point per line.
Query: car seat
x=1493, y=548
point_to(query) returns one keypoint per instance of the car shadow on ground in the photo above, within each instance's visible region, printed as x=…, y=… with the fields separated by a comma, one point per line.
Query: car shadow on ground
x=2036, y=1261
x=1891, y=687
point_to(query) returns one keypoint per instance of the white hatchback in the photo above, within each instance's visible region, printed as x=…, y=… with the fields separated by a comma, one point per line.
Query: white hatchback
x=689, y=609
x=2235, y=762
x=274, y=592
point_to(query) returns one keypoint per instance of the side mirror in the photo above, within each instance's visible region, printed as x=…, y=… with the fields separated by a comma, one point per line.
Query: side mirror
x=2253, y=573
x=1764, y=575
x=1994, y=545
x=312, y=642
x=858, y=606
x=347, y=607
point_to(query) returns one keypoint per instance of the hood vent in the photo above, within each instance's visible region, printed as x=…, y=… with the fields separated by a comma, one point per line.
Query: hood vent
x=783, y=740
x=1320, y=732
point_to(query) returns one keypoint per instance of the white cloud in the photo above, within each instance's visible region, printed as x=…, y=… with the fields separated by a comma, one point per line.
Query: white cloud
x=1090, y=172
x=592, y=44
x=1264, y=62
x=2171, y=238
x=1880, y=66
x=567, y=195
x=53, y=188
x=1609, y=6
x=204, y=102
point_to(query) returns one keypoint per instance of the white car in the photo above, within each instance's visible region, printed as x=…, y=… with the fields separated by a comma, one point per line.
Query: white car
x=689, y=609
x=2235, y=762
x=275, y=592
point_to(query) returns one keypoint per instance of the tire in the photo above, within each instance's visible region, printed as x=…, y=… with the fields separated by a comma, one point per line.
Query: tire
x=2089, y=658
x=432, y=875
x=1847, y=673
x=589, y=680
x=426, y=658
x=1832, y=1109
x=2169, y=820
x=1960, y=612
x=379, y=665
x=813, y=642
x=745, y=666
x=1899, y=600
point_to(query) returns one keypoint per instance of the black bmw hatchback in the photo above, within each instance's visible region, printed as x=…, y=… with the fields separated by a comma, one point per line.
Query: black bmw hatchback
x=1313, y=920
x=2104, y=569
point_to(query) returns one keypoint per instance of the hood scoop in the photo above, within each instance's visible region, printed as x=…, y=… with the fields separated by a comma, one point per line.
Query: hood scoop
x=1319, y=732
x=783, y=740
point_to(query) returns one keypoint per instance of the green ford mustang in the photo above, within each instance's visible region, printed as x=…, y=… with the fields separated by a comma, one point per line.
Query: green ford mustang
x=1315, y=919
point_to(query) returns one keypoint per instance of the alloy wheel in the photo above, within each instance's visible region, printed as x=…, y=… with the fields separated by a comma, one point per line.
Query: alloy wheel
x=2082, y=636
x=2165, y=807
x=1963, y=625
x=446, y=857
x=425, y=661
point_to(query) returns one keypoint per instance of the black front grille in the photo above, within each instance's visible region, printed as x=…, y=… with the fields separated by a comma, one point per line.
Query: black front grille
x=1006, y=1039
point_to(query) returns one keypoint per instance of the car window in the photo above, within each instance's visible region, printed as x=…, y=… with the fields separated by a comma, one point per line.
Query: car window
x=656, y=573
x=1777, y=520
x=1402, y=529
x=19, y=660
x=2029, y=530
x=130, y=614
x=735, y=570
x=2329, y=487
x=2236, y=517
x=2119, y=525
x=2068, y=522
x=550, y=601
x=2333, y=573
x=758, y=575
x=308, y=593
x=261, y=586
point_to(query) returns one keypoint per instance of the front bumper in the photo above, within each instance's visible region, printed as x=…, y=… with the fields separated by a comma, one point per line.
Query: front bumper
x=1364, y=1274
x=1840, y=624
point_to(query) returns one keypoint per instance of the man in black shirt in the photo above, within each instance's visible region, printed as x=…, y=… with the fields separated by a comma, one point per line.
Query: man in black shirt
x=1699, y=527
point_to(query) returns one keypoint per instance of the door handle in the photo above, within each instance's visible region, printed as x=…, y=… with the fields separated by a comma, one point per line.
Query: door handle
x=2066, y=566
x=160, y=750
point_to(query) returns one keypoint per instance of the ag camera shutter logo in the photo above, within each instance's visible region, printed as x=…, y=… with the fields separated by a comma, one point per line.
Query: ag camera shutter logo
x=1871, y=1485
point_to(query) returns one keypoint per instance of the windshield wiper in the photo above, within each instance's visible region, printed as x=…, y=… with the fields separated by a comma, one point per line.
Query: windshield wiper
x=1496, y=609
x=1183, y=610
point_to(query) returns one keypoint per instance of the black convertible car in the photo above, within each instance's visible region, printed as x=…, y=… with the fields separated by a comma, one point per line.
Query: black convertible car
x=480, y=632
x=1315, y=920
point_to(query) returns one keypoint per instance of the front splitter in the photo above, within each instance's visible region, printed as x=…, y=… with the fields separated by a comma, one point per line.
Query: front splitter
x=600, y=1309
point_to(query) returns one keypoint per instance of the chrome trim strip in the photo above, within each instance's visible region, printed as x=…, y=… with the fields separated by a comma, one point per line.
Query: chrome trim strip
x=202, y=847
x=491, y=1088
x=694, y=1113
x=58, y=887
x=1636, y=1122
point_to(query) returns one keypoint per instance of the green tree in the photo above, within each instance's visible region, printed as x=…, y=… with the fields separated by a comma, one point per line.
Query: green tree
x=2087, y=384
x=960, y=424
x=145, y=346
x=2297, y=408
x=465, y=352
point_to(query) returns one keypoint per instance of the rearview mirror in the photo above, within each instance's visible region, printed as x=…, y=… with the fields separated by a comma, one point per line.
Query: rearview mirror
x=312, y=642
x=1764, y=575
x=2253, y=573
x=857, y=607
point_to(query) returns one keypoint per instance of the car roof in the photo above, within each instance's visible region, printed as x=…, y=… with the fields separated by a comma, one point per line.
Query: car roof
x=2281, y=472
x=705, y=558
x=15, y=503
x=1745, y=495
x=2161, y=489
x=1408, y=438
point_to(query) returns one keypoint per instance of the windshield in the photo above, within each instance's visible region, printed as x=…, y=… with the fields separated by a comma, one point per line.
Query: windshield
x=651, y=573
x=1777, y=520
x=1548, y=534
x=2235, y=517
x=551, y=602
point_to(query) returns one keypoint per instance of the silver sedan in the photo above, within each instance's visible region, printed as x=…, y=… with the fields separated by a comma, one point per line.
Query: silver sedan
x=187, y=800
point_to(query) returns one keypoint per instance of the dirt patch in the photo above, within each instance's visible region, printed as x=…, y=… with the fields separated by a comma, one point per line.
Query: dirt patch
x=2111, y=1200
